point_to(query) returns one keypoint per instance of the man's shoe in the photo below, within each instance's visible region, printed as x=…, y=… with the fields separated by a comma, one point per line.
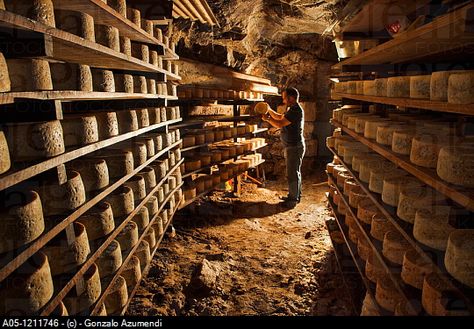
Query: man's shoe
x=285, y=198
x=289, y=204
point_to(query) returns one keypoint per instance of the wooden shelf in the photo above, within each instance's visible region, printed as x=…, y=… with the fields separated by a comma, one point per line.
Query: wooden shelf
x=406, y=230
x=11, y=178
x=73, y=95
x=53, y=303
x=10, y=265
x=464, y=197
x=451, y=34
x=190, y=148
x=64, y=46
x=467, y=109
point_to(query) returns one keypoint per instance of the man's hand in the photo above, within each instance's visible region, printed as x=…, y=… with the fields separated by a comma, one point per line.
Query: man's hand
x=265, y=117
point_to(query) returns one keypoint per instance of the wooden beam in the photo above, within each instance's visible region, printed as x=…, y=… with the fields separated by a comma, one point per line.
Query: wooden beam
x=152, y=9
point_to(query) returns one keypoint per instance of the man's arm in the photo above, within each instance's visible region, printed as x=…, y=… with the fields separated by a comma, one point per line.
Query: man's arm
x=275, y=115
x=277, y=123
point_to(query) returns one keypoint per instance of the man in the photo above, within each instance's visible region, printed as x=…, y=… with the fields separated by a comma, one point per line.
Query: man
x=292, y=125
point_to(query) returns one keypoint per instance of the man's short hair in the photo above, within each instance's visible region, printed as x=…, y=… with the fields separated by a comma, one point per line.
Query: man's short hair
x=292, y=92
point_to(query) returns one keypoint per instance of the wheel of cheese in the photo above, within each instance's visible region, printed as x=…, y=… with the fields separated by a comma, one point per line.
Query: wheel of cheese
x=164, y=216
x=76, y=22
x=398, y=87
x=122, y=201
x=92, y=290
x=68, y=256
x=349, y=185
x=369, y=88
x=128, y=237
x=103, y=81
x=361, y=122
x=150, y=145
x=349, y=119
x=392, y=186
x=357, y=159
x=140, y=153
x=29, y=75
x=99, y=221
x=371, y=126
x=170, y=113
x=412, y=199
x=356, y=196
x=126, y=48
x=189, y=140
x=330, y=168
x=364, y=249
x=60, y=198
x=119, y=162
x=60, y=310
x=192, y=165
x=330, y=142
x=142, y=117
x=108, y=36
x=384, y=134
x=81, y=130
x=387, y=295
x=381, y=87
x=374, y=269
x=420, y=86
x=141, y=52
x=414, y=268
x=150, y=178
x=172, y=182
x=366, y=209
x=117, y=297
x=107, y=124
x=395, y=246
x=439, y=85
x=41, y=11
x=150, y=237
x=5, y=84
x=132, y=273
x=154, y=60
x=350, y=152
x=432, y=226
x=135, y=16
x=380, y=225
x=378, y=175
x=190, y=192
x=458, y=258
x=123, y=83
x=151, y=83
x=455, y=164
x=337, y=198
x=110, y=260
x=359, y=87
x=351, y=87
x=159, y=228
x=148, y=26
x=339, y=169
x=200, y=186
x=167, y=139
x=460, y=87
x=139, y=84
x=426, y=147
x=143, y=254
x=341, y=207
x=160, y=169
x=374, y=165
x=120, y=6
x=137, y=185
x=67, y=76
x=354, y=233
x=369, y=307
x=402, y=141
x=28, y=288
x=171, y=137
x=142, y=218
x=341, y=178
x=439, y=297
x=154, y=115
x=22, y=221
x=31, y=141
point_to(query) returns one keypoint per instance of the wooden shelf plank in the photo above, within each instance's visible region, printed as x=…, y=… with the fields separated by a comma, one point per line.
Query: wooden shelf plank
x=464, y=197
x=12, y=264
x=406, y=230
x=11, y=178
x=70, y=48
x=53, y=303
x=448, y=33
x=467, y=109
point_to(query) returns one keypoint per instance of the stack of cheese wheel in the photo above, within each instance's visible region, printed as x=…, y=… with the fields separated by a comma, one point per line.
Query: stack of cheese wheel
x=119, y=162
x=387, y=295
x=379, y=174
x=110, y=260
x=90, y=294
x=99, y=221
x=398, y=87
x=366, y=209
x=393, y=185
x=380, y=226
x=395, y=246
x=122, y=201
x=420, y=86
x=117, y=297
x=369, y=88
x=356, y=196
x=21, y=222
x=28, y=288
x=369, y=307
x=414, y=268
x=132, y=273
x=374, y=269
x=371, y=127
x=432, y=226
x=93, y=171
x=455, y=164
x=128, y=237
x=385, y=133
x=142, y=218
x=412, y=199
x=460, y=87
x=426, y=147
x=68, y=255
x=439, y=297
x=459, y=259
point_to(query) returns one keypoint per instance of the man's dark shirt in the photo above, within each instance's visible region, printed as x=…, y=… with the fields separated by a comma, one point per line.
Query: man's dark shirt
x=292, y=135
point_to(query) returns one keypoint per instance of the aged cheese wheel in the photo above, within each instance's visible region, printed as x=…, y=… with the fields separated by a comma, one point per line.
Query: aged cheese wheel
x=132, y=273
x=110, y=260
x=439, y=85
x=76, y=22
x=380, y=225
x=99, y=221
x=80, y=130
x=103, y=80
x=60, y=310
x=354, y=233
x=356, y=196
x=128, y=121
x=140, y=153
x=117, y=297
x=122, y=201
x=150, y=237
x=22, y=221
x=158, y=34
x=392, y=186
x=159, y=228
x=67, y=256
x=381, y=87
x=378, y=175
x=148, y=26
x=150, y=178
x=364, y=249
x=330, y=168
x=128, y=237
x=374, y=165
x=140, y=84
x=119, y=6
x=119, y=162
x=160, y=169
x=143, y=254
x=167, y=139
x=439, y=297
x=151, y=86
x=29, y=75
x=192, y=165
x=398, y=87
x=357, y=159
x=143, y=118
x=402, y=141
x=123, y=83
x=28, y=288
x=412, y=199
x=420, y=86
x=370, y=130
x=107, y=124
x=164, y=216
x=460, y=86
x=141, y=51
x=142, y=218
x=172, y=182
x=459, y=256
x=374, y=269
x=41, y=11
x=369, y=307
x=432, y=226
x=67, y=76
x=351, y=87
x=137, y=184
x=385, y=132
x=414, y=268
x=455, y=164
x=361, y=121
x=426, y=147
x=60, y=198
x=387, y=295
x=349, y=185
x=369, y=88
x=92, y=290
x=339, y=169
x=349, y=119
x=126, y=47
x=189, y=140
x=108, y=36
x=135, y=16
x=190, y=192
x=395, y=246
x=342, y=177
x=5, y=84
x=366, y=209
x=154, y=61
x=350, y=152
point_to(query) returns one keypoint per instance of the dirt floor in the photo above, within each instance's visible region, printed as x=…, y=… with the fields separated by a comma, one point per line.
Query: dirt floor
x=248, y=256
